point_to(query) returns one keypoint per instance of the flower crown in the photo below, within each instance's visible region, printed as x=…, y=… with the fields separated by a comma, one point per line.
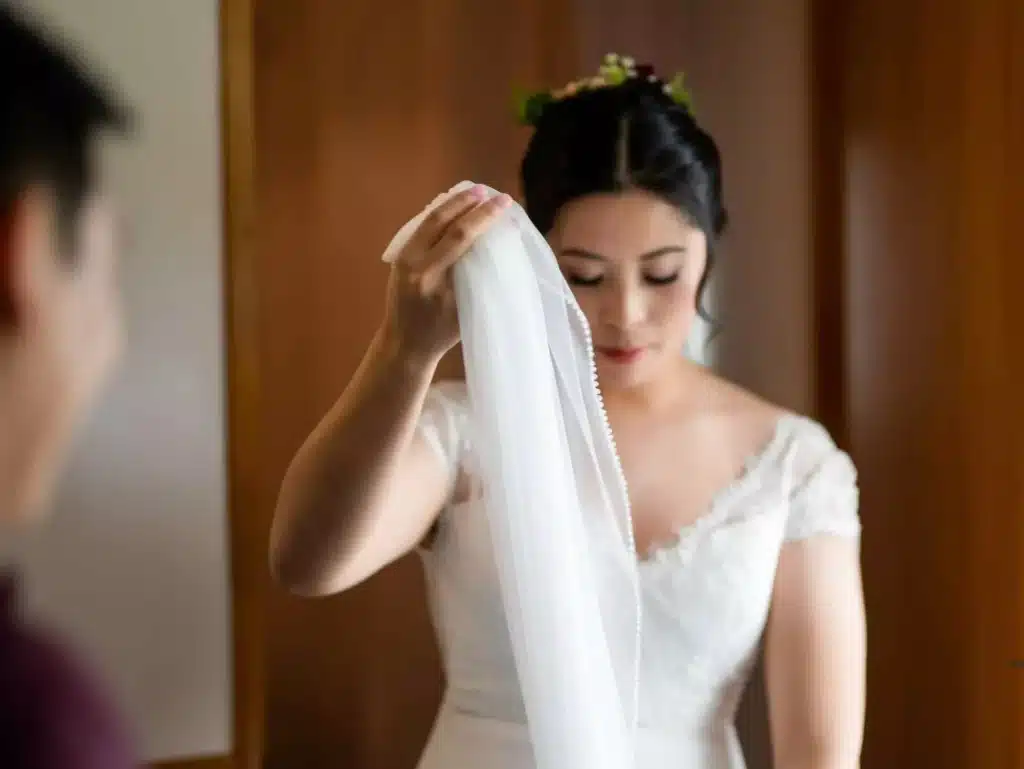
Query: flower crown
x=614, y=71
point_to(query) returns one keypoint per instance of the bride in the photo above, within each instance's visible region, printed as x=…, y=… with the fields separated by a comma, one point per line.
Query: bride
x=745, y=515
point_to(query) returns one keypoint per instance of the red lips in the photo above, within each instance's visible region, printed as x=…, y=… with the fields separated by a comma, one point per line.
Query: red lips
x=621, y=354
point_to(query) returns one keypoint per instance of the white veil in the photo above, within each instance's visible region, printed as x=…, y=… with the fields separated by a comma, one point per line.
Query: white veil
x=555, y=496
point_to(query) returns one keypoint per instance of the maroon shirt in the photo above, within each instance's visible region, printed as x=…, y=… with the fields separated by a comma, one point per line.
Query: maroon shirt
x=52, y=713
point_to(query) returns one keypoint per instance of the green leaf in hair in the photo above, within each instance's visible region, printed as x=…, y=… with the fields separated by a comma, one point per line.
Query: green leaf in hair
x=614, y=71
x=531, y=106
x=679, y=92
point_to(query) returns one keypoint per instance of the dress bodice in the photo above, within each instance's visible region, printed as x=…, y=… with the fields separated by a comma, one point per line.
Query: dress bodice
x=705, y=597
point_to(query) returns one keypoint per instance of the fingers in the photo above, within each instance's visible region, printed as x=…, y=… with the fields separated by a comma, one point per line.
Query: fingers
x=461, y=233
x=446, y=234
x=437, y=221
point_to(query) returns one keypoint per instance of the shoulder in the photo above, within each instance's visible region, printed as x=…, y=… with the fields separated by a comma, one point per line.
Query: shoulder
x=447, y=405
x=751, y=422
x=813, y=450
x=807, y=441
x=449, y=393
x=445, y=422
x=819, y=478
x=53, y=713
x=823, y=486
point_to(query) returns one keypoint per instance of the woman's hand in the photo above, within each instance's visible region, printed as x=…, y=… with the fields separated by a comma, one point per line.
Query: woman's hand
x=421, y=317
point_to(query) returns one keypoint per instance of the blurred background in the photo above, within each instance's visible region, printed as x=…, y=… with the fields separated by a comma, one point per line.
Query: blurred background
x=874, y=170
x=134, y=564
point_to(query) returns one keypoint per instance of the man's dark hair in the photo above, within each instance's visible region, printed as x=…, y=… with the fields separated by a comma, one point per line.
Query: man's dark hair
x=51, y=112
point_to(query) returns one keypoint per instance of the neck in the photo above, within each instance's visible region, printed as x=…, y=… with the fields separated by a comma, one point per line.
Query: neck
x=675, y=383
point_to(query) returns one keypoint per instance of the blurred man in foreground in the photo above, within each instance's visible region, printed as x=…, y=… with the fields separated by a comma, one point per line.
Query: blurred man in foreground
x=59, y=338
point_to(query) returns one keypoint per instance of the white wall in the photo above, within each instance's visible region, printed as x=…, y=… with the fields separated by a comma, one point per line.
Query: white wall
x=133, y=567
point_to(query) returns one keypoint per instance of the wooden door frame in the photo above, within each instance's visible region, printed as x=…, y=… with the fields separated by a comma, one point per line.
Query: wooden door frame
x=246, y=479
x=248, y=492
x=828, y=262
x=216, y=762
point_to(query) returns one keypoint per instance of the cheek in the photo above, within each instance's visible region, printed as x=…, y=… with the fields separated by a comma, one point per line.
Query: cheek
x=103, y=301
x=589, y=301
x=92, y=334
x=105, y=325
x=675, y=306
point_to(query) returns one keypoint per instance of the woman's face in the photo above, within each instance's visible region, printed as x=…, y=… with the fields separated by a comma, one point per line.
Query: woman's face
x=634, y=263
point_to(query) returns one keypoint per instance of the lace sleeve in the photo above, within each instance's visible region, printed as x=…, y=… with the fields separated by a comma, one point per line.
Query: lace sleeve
x=443, y=424
x=824, y=498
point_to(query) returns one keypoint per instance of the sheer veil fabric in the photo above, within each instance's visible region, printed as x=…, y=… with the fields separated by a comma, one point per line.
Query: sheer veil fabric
x=554, y=495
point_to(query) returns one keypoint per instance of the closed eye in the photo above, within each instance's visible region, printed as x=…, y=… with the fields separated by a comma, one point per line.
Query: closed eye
x=662, y=280
x=582, y=280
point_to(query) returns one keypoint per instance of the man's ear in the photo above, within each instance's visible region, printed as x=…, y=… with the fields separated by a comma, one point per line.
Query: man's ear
x=22, y=223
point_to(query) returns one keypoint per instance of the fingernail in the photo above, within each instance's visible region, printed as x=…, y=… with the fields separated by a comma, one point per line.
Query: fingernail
x=504, y=201
x=479, y=192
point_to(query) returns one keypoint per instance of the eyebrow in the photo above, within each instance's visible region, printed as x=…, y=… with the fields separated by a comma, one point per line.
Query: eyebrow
x=582, y=253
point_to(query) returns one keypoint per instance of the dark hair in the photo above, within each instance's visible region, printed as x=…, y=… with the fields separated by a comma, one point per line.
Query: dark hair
x=50, y=114
x=616, y=138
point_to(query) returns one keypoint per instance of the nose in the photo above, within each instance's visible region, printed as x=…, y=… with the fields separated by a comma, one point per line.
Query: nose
x=623, y=307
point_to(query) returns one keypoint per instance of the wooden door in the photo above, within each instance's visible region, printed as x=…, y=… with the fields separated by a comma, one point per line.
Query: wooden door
x=363, y=112
x=923, y=329
x=358, y=113
x=358, y=121
x=912, y=354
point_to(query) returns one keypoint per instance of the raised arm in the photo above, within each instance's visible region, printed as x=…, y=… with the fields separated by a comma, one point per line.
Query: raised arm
x=366, y=487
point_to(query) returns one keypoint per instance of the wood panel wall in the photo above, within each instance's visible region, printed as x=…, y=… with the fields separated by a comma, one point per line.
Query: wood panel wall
x=353, y=131
x=929, y=126
x=895, y=315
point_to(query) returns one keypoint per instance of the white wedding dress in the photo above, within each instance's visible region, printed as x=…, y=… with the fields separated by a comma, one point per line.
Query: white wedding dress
x=705, y=600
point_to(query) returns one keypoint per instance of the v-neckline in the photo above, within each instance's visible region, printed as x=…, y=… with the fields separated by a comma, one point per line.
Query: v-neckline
x=720, y=501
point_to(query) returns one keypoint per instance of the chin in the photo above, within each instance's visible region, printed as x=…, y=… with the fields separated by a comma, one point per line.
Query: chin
x=620, y=376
